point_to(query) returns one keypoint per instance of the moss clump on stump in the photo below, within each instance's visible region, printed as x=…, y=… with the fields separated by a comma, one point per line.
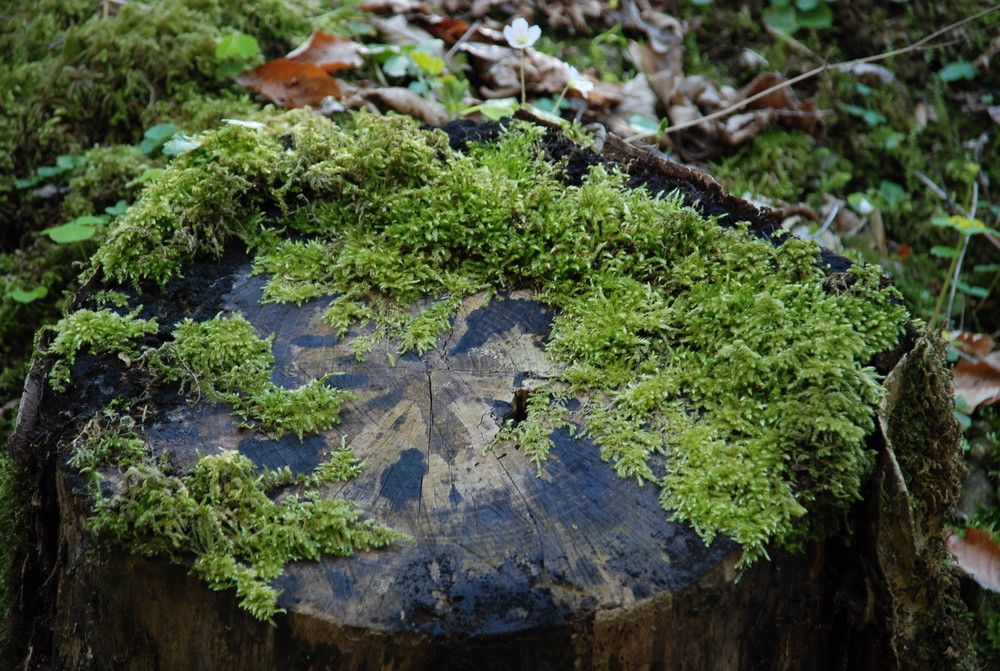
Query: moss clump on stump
x=728, y=355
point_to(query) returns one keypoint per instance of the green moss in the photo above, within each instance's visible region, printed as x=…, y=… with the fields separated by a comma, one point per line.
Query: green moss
x=109, y=437
x=108, y=174
x=241, y=538
x=788, y=166
x=226, y=360
x=729, y=355
x=103, y=331
x=76, y=78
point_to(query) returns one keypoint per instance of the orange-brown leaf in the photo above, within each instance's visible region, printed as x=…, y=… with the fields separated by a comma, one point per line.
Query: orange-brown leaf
x=976, y=344
x=291, y=83
x=978, y=555
x=329, y=52
x=978, y=382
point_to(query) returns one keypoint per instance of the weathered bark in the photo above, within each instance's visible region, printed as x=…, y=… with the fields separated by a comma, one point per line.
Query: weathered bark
x=576, y=569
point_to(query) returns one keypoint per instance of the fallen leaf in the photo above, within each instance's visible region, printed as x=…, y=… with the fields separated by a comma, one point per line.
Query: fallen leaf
x=638, y=100
x=391, y=7
x=329, y=52
x=397, y=31
x=447, y=29
x=977, y=554
x=500, y=71
x=788, y=109
x=662, y=32
x=291, y=83
x=402, y=100
x=974, y=344
x=978, y=382
x=577, y=15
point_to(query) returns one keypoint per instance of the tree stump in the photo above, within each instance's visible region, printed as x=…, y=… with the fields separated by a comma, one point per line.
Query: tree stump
x=572, y=568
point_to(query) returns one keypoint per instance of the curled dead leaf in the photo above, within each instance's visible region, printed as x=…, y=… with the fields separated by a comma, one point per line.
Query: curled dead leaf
x=974, y=344
x=329, y=52
x=978, y=382
x=977, y=554
x=291, y=83
x=402, y=100
x=788, y=109
x=976, y=378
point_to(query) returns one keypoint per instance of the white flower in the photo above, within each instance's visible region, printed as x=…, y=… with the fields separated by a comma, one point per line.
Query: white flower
x=577, y=82
x=520, y=35
x=864, y=207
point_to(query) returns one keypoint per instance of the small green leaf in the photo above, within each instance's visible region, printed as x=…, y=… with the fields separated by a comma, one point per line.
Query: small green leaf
x=495, y=109
x=945, y=252
x=396, y=66
x=155, y=137
x=957, y=70
x=118, y=209
x=22, y=296
x=781, y=19
x=237, y=45
x=892, y=193
x=70, y=232
x=870, y=117
x=818, y=17
x=986, y=268
x=806, y=5
x=180, y=144
x=978, y=292
x=429, y=63
x=643, y=124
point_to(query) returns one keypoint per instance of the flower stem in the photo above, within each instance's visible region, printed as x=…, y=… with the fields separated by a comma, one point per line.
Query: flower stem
x=555, y=108
x=522, y=77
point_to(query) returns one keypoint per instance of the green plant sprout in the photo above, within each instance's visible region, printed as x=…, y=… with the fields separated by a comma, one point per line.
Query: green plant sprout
x=967, y=226
x=788, y=16
x=236, y=51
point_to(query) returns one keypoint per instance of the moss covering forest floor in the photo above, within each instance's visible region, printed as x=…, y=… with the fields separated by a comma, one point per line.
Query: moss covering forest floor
x=891, y=163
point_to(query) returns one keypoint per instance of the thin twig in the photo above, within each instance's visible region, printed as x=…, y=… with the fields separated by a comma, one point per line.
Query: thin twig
x=931, y=185
x=816, y=71
x=462, y=40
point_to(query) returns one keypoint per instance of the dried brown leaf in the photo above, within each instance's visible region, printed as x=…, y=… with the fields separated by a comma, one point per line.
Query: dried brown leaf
x=290, y=83
x=973, y=344
x=978, y=555
x=978, y=382
x=329, y=52
x=402, y=100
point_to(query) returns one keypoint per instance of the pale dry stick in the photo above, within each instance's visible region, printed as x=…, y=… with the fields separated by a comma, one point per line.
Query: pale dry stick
x=812, y=73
